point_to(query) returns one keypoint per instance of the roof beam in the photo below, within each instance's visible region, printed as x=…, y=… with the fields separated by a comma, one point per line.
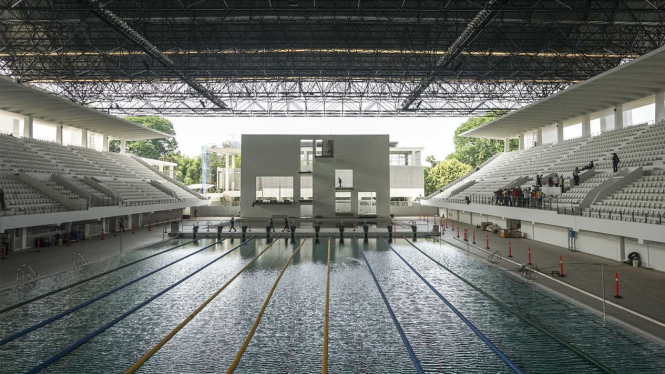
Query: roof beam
x=122, y=28
x=471, y=31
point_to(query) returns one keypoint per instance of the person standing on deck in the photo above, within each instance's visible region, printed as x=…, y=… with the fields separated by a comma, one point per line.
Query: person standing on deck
x=339, y=181
x=233, y=225
x=286, y=224
x=271, y=224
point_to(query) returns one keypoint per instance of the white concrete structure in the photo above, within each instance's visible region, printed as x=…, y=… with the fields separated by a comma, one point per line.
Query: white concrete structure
x=407, y=175
x=165, y=167
x=346, y=175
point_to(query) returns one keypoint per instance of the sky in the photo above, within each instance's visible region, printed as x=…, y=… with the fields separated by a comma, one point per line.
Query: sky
x=434, y=134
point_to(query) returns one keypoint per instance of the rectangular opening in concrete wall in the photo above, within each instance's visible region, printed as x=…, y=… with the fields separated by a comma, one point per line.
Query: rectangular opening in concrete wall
x=306, y=156
x=342, y=202
x=344, y=178
x=367, y=203
x=274, y=189
x=325, y=148
x=306, y=211
x=306, y=188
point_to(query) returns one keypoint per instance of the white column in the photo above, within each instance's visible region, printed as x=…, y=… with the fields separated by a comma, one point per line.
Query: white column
x=84, y=138
x=586, y=125
x=521, y=141
x=559, y=132
x=28, y=127
x=660, y=106
x=58, y=134
x=539, y=136
x=16, y=127
x=105, y=142
x=627, y=118
x=226, y=172
x=506, y=145
x=618, y=117
x=161, y=168
x=603, y=124
x=123, y=146
x=233, y=173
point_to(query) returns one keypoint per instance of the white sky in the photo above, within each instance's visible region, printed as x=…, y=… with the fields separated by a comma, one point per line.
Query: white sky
x=434, y=134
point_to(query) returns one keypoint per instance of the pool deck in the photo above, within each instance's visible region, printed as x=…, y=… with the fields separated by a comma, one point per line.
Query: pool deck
x=55, y=259
x=642, y=290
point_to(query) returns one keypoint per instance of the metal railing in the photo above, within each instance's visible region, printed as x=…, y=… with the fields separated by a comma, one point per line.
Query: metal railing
x=97, y=202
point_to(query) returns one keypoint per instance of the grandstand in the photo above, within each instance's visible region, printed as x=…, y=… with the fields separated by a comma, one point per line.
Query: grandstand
x=622, y=205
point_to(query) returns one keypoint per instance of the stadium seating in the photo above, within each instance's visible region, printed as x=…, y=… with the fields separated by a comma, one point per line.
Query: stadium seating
x=637, y=146
x=129, y=178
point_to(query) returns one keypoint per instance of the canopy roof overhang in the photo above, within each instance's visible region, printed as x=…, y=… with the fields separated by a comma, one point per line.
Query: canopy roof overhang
x=27, y=101
x=634, y=80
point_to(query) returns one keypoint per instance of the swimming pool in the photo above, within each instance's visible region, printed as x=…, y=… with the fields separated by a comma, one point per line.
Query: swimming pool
x=289, y=338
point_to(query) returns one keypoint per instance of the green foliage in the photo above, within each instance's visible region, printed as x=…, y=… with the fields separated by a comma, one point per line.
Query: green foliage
x=188, y=170
x=473, y=151
x=156, y=149
x=443, y=173
x=432, y=160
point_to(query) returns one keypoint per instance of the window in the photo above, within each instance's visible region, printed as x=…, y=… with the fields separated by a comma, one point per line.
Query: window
x=306, y=156
x=325, y=148
x=366, y=203
x=274, y=189
x=344, y=178
x=342, y=202
x=401, y=159
x=306, y=187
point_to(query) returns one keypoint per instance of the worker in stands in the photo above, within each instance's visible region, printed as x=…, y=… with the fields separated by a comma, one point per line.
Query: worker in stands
x=576, y=176
x=615, y=162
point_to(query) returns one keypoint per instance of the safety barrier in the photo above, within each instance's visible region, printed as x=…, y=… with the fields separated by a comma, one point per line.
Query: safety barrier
x=94, y=299
x=189, y=318
x=248, y=339
x=518, y=314
x=412, y=354
x=100, y=330
x=22, y=303
x=473, y=328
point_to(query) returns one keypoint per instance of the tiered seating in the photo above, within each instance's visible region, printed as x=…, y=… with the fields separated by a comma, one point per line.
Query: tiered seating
x=643, y=150
x=578, y=193
x=66, y=158
x=180, y=192
x=598, y=148
x=62, y=190
x=485, y=187
x=21, y=198
x=89, y=188
x=641, y=201
x=133, y=166
x=104, y=162
x=17, y=156
x=137, y=192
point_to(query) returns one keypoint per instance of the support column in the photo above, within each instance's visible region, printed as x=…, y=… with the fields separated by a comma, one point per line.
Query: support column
x=16, y=127
x=521, y=141
x=233, y=173
x=539, y=136
x=506, y=145
x=84, y=138
x=58, y=134
x=660, y=106
x=559, y=132
x=586, y=125
x=618, y=117
x=226, y=173
x=105, y=143
x=123, y=146
x=627, y=118
x=28, y=127
x=603, y=124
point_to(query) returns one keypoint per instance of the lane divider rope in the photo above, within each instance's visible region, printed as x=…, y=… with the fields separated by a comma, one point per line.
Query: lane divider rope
x=519, y=315
x=326, y=323
x=248, y=339
x=96, y=298
x=173, y=332
x=50, y=293
x=459, y=314
x=100, y=330
x=412, y=354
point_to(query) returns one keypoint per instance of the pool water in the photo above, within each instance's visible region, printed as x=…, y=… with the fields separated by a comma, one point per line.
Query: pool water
x=289, y=339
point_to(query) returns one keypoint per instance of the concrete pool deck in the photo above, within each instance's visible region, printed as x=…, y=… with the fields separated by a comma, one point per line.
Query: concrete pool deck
x=642, y=290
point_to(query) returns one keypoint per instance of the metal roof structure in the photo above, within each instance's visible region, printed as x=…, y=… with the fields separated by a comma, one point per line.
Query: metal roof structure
x=634, y=80
x=319, y=58
x=27, y=101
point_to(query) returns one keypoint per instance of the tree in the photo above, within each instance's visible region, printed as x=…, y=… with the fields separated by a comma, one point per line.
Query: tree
x=473, y=151
x=157, y=149
x=188, y=170
x=443, y=174
x=432, y=160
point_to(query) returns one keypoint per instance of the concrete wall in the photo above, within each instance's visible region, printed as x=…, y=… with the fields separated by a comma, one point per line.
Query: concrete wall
x=279, y=155
x=412, y=211
x=219, y=211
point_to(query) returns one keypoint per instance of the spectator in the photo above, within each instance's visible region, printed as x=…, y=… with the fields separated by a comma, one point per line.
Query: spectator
x=539, y=198
x=466, y=200
x=615, y=162
x=556, y=180
x=576, y=175
x=550, y=181
x=539, y=180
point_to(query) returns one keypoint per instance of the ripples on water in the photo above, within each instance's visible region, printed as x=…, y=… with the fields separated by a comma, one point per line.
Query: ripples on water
x=362, y=337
